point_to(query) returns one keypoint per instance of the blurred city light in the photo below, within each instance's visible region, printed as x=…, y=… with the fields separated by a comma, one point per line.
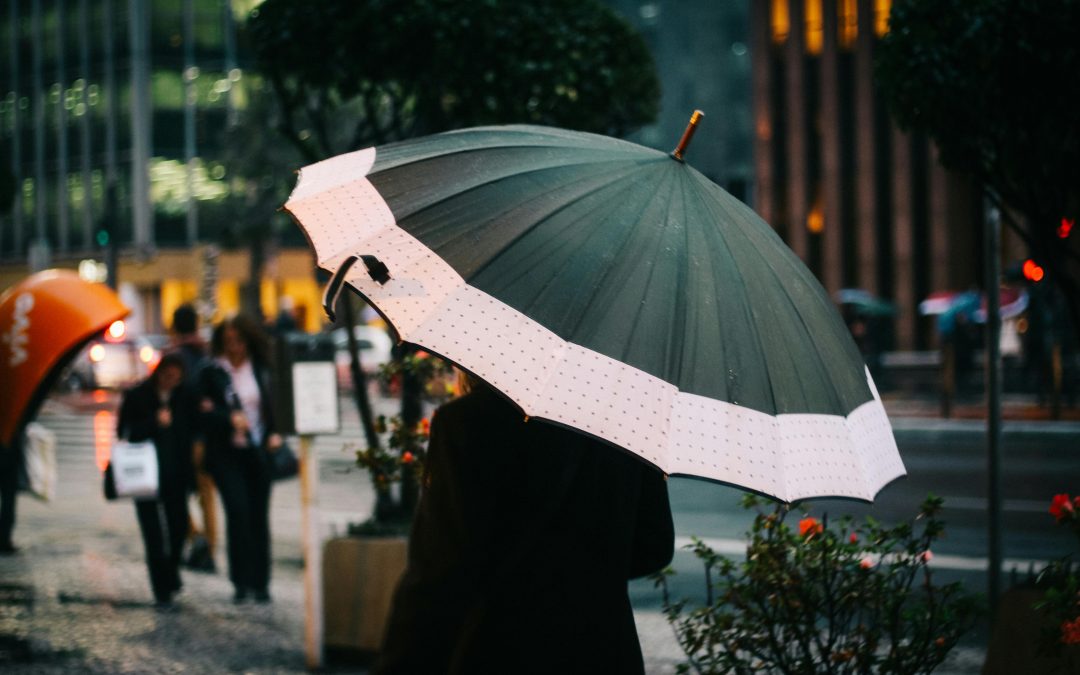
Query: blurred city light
x=1032, y=271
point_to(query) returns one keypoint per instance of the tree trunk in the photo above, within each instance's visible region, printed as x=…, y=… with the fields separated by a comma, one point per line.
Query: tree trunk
x=252, y=300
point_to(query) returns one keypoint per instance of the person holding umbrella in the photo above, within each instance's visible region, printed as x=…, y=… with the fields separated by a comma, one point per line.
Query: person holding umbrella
x=525, y=537
x=162, y=410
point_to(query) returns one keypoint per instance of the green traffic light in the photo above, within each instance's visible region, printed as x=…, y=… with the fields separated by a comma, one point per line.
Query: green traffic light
x=102, y=238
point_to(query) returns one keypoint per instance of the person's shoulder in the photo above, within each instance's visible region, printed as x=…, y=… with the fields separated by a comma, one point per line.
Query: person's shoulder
x=479, y=403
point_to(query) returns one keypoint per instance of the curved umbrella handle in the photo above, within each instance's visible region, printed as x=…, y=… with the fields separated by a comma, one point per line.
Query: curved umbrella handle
x=375, y=268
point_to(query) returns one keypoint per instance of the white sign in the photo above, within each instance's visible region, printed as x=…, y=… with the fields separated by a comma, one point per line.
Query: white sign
x=315, y=399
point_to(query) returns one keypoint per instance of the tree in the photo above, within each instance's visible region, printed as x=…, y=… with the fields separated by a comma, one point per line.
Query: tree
x=261, y=172
x=993, y=83
x=350, y=74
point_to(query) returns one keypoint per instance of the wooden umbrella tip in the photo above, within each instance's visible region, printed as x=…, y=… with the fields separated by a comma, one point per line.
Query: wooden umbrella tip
x=695, y=118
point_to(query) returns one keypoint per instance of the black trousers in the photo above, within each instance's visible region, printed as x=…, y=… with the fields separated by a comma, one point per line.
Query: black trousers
x=164, y=524
x=243, y=479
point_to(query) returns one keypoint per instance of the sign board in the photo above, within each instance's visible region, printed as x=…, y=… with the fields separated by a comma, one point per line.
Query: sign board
x=315, y=399
x=305, y=385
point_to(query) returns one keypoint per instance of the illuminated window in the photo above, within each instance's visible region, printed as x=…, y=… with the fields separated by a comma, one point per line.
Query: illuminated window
x=781, y=21
x=881, y=16
x=815, y=220
x=814, y=26
x=848, y=23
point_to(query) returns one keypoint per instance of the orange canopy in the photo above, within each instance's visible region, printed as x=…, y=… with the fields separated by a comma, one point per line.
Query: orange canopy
x=44, y=319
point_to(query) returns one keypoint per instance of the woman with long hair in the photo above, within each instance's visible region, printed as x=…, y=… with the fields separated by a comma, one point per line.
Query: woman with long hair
x=238, y=426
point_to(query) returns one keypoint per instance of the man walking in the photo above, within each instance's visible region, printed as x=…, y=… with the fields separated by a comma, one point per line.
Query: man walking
x=192, y=349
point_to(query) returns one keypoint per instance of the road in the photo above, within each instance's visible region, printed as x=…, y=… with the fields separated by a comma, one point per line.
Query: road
x=945, y=458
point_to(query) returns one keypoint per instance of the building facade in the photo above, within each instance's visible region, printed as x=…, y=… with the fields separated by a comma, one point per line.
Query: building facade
x=112, y=114
x=862, y=203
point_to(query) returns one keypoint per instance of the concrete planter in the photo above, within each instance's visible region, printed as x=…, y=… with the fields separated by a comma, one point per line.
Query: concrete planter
x=1013, y=646
x=359, y=578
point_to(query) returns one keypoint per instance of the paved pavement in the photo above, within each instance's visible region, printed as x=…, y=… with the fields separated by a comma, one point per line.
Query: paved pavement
x=76, y=599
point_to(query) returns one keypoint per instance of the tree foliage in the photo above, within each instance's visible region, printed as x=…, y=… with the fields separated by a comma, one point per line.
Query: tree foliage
x=351, y=73
x=994, y=84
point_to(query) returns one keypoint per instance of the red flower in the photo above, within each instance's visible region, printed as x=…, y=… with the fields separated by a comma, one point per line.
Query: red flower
x=425, y=426
x=1070, y=632
x=1061, y=507
x=926, y=556
x=408, y=458
x=809, y=527
x=866, y=563
x=853, y=538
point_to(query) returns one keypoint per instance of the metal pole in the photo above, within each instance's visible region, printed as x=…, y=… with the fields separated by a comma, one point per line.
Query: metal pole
x=993, y=400
x=309, y=523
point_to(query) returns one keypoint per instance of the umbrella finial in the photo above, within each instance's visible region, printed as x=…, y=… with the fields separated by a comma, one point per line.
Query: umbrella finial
x=677, y=153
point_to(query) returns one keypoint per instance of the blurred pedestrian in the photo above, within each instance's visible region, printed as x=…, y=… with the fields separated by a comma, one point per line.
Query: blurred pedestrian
x=238, y=426
x=160, y=409
x=524, y=539
x=10, y=465
x=187, y=342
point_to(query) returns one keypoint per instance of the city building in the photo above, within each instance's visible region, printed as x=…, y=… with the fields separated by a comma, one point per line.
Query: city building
x=112, y=115
x=862, y=203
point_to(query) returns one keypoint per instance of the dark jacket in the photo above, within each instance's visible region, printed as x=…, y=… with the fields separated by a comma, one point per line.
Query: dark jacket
x=523, y=543
x=138, y=421
x=215, y=385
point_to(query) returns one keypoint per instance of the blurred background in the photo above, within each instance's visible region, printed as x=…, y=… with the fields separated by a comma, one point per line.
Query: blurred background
x=149, y=143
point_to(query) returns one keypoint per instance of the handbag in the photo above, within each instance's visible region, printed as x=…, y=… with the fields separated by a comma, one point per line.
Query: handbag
x=132, y=471
x=283, y=462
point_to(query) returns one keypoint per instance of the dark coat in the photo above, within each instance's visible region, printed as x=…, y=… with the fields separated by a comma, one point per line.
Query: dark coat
x=215, y=385
x=137, y=422
x=523, y=543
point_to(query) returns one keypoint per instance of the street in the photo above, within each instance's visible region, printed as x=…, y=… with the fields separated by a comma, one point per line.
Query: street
x=77, y=596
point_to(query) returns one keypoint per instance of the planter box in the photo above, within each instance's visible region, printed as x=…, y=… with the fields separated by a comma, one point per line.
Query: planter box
x=1013, y=646
x=359, y=578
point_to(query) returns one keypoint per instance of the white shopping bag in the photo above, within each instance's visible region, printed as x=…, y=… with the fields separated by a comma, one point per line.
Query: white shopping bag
x=39, y=461
x=134, y=469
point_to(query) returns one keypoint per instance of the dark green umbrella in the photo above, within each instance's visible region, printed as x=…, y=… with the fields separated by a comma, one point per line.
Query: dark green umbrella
x=613, y=289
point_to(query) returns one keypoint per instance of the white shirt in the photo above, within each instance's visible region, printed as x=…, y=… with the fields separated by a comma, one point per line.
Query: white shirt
x=246, y=388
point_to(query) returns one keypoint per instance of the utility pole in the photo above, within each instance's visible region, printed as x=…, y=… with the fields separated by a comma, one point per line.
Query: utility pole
x=993, y=399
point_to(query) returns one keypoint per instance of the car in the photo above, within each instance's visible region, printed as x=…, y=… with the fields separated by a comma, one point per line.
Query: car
x=114, y=360
x=375, y=351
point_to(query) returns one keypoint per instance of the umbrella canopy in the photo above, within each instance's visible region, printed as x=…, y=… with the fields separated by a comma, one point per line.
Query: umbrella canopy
x=45, y=319
x=613, y=289
x=864, y=303
x=950, y=306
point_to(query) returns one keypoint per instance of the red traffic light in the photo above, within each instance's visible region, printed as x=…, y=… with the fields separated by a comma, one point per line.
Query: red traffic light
x=1032, y=271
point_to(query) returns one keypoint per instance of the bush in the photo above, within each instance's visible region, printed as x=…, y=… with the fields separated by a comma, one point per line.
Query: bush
x=849, y=598
x=1060, y=582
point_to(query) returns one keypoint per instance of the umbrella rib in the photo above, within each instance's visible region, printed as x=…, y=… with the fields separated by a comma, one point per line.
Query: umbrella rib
x=649, y=278
x=401, y=218
x=524, y=271
x=824, y=373
x=746, y=304
x=613, y=179
x=608, y=269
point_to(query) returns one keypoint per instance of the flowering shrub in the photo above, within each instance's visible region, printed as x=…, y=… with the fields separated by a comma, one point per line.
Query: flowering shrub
x=849, y=598
x=1061, y=583
x=406, y=444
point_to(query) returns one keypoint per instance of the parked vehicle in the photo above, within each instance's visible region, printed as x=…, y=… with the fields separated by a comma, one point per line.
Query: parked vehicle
x=115, y=360
x=374, y=344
